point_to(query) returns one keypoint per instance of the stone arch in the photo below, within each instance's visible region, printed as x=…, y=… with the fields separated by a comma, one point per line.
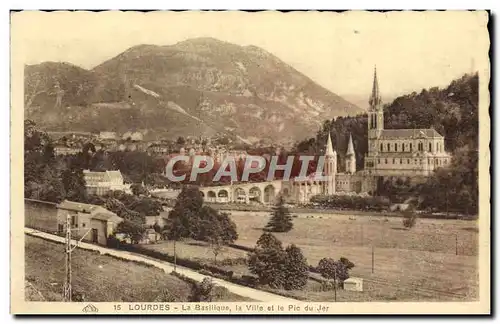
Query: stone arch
x=255, y=194
x=223, y=194
x=211, y=196
x=269, y=194
x=240, y=195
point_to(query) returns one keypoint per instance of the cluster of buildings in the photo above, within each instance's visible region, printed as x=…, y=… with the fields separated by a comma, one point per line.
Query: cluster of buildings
x=70, y=143
x=409, y=154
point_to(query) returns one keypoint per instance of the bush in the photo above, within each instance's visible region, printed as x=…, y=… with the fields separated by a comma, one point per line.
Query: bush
x=113, y=242
x=203, y=291
x=369, y=203
x=410, y=218
x=166, y=296
x=249, y=281
x=233, y=262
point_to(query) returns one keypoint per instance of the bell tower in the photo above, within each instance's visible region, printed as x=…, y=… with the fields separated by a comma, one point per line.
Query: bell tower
x=376, y=111
x=330, y=167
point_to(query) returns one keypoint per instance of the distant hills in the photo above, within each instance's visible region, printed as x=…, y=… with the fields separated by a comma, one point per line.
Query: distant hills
x=196, y=87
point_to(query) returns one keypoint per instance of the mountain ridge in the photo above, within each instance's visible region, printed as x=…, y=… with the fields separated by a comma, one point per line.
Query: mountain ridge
x=222, y=85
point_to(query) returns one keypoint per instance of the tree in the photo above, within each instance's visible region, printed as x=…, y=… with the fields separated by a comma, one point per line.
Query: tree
x=281, y=220
x=347, y=263
x=144, y=205
x=331, y=269
x=186, y=211
x=138, y=189
x=132, y=230
x=181, y=140
x=217, y=229
x=267, y=261
x=173, y=231
x=74, y=184
x=296, y=268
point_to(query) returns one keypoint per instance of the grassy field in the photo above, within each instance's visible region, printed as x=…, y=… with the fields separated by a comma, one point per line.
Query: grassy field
x=99, y=278
x=437, y=259
x=421, y=258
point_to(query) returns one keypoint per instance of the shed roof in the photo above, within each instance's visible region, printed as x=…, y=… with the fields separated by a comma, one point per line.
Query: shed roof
x=76, y=206
x=109, y=216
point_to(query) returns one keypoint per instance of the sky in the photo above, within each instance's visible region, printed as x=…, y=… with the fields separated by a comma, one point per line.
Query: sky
x=412, y=50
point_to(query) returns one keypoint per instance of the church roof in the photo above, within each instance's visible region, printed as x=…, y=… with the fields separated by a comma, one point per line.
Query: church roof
x=350, y=146
x=409, y=133
x=329, y=147
x=375, y=98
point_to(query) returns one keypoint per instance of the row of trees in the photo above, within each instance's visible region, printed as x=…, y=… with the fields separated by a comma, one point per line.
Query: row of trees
x=47, y=177
x=288, y=268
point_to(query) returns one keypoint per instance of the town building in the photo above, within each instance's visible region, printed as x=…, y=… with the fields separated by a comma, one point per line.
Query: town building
x=107, y=136
x=99, y=183
x=92, y=223
x=65, y=149
x=158, y=149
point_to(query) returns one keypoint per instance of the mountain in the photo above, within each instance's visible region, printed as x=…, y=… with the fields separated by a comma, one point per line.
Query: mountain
x=200, y=86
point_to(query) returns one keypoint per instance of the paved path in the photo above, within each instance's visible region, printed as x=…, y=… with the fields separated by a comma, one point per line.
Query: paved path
x=257, y=295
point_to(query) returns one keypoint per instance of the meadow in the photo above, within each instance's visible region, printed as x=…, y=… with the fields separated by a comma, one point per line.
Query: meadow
x=435, y=260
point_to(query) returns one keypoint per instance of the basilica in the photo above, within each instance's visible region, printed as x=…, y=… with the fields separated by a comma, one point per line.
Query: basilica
x=409, y=154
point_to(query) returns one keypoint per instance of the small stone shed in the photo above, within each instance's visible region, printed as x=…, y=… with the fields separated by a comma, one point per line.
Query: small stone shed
x=353, y=284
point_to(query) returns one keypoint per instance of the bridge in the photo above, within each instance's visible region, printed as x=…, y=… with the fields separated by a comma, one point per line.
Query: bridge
x=261, y=192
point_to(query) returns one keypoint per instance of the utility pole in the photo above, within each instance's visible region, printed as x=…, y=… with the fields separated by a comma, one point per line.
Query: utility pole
x=335, y=283
x=67, y=283
x=373, y=259
x=67, y=293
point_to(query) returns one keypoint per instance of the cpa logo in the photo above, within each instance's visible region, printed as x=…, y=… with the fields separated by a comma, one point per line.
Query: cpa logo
x=90, y=309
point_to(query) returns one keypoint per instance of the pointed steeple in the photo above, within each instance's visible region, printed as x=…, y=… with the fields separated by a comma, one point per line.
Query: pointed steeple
x=375, y=98
x=350, y=146
x=329, y=147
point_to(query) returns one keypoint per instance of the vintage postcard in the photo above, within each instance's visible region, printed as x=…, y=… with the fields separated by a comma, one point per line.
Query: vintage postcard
x=250, y=163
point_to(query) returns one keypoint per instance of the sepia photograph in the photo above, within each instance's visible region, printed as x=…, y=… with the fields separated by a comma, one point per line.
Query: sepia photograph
x=250, y=162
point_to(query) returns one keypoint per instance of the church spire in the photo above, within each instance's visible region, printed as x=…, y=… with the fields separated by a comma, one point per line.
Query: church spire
x=329, y=147
x=350, y=146
x=375, y=98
